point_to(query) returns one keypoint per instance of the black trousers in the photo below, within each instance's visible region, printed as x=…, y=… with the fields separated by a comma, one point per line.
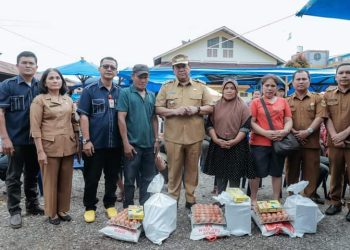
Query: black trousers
x=108, y=160
x=23, y=160
x=222, y=183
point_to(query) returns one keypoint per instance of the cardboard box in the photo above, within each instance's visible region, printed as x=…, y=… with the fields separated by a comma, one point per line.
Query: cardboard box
x=135, y=212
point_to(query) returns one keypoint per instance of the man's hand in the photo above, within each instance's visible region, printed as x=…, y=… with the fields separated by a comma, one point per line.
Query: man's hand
x=180, y=111
x=337, y=138
x=156, y=147
x=7, y=146
x=301, y=134
x=191, y=110
x=42, y=158
x=129, y=151
x=88, y=149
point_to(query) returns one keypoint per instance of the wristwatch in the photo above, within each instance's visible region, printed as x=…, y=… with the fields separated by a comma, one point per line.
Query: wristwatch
x=85, y=141
x=310, y=130
x=198, y=109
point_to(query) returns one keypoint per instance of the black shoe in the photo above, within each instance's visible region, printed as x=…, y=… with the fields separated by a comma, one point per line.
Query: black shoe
x=35, y=210
x=332, y=210
x=189, y=205
x=65, y=217
x=317, y=200
x=347, y=217
x=16, y=221
x=55, y=221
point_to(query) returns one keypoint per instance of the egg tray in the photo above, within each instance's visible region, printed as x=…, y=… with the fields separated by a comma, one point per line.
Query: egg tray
x=272, y=217
x=121, y=220
x=212, y=214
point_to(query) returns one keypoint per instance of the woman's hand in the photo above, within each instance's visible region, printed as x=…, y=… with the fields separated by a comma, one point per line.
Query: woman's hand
x=42, y=158
x=222, y=143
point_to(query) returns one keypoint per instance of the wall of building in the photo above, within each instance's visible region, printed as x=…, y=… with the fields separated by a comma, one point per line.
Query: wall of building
x=243, y=53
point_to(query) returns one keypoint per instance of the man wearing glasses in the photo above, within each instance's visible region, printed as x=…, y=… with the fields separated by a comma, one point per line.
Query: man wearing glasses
x=183, y=102
x=138, y=126
x=101, y=139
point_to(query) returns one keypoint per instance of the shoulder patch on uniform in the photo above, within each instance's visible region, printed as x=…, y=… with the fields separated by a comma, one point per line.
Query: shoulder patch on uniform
x=169, y=81
x=199, y=81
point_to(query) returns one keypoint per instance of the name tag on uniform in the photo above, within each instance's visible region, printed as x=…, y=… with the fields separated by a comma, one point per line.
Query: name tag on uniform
x=111, y=103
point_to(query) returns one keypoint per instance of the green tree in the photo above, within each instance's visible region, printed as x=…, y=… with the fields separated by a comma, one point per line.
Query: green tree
x=298, y=61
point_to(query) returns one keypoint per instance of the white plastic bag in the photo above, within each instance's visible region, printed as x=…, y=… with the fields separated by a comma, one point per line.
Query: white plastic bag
x=121, y=233
x=160, y=213
x=237, y=215
x=208, y=231
x=274, y=228
x=304, y=212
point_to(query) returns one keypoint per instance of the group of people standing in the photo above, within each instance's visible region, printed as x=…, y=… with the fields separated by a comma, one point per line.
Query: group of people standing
x=40, y=130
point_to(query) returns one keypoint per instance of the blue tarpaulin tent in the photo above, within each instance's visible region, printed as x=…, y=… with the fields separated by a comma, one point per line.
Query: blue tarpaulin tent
x=320, y=78
x=81, y=69
x=339, y=9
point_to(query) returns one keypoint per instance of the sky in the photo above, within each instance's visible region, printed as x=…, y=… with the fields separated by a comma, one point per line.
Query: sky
x=136, y=31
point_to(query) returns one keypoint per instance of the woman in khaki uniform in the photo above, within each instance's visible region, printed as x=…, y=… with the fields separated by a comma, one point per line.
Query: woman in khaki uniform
x=55, y=133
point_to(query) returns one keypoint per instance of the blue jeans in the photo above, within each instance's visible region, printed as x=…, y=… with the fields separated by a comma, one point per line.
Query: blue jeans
x=143, y=165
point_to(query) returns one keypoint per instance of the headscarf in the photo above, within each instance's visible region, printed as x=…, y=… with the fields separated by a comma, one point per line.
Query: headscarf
x=229, y=116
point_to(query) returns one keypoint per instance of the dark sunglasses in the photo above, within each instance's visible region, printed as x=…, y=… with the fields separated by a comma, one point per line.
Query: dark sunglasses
x=180, y=66
x=107, y=66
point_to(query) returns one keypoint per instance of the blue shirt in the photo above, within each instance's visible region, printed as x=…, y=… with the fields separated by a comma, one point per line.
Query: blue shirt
x=140, y=112
x=15, y=98
x=96, y=103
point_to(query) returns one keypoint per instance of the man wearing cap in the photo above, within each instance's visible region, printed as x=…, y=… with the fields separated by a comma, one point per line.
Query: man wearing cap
x=101, y=139
x=138, y=125
x=16, y=96
x=308, y=112
x=338, y=126
x=183, y=102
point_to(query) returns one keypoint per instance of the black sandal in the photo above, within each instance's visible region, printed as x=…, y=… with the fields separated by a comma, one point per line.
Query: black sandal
x=65, y=217
x=55, y=221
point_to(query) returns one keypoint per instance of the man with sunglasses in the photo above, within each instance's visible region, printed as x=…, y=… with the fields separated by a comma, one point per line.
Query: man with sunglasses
x=138, y=125
x=183, y=102
x=101, y=139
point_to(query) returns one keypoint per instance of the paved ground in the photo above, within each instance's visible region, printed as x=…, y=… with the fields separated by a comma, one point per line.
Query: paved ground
x=37, y=233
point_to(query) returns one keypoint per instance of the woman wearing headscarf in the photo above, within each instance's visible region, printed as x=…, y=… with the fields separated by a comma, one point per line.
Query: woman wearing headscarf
x=228, y=154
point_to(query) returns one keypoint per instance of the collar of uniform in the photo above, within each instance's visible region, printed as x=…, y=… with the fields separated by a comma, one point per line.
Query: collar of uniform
x=48, y=97
x=178, y=83
x=100, y=85
x=308, y=94
x=21, y=80
x=133, y=89
x=338, y=90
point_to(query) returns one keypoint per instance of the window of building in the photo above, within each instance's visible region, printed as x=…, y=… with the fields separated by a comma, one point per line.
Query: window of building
x=227, y=48
x=213, y=46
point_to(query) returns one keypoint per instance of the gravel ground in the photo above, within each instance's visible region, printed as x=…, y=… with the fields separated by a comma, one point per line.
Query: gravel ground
x=37, y=233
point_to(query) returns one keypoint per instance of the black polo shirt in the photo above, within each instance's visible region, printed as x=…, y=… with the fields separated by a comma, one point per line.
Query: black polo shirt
x=15, y=98
x=103, y=117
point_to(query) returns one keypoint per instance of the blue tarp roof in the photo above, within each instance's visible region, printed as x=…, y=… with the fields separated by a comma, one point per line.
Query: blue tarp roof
x=339, y=9
x=320, y=78
x=80, y=68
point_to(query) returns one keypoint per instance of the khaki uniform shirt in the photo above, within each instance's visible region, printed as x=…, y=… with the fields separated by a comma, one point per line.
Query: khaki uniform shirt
x=54, y=122
x=338, y=106
x=304, y=113
x=183, y=129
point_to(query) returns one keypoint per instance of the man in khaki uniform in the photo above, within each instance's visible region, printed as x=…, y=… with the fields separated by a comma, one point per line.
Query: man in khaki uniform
x=308, y=110
x=338, y=126
x=183, y=102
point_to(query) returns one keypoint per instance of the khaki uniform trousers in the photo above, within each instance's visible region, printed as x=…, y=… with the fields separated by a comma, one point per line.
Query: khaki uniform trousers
x=57, y=184
x=339, y=158
x=307, y=161
x=183, y=163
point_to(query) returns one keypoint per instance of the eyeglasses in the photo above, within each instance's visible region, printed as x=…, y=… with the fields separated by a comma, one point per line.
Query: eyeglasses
x=180, y=66
x=107, y=66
